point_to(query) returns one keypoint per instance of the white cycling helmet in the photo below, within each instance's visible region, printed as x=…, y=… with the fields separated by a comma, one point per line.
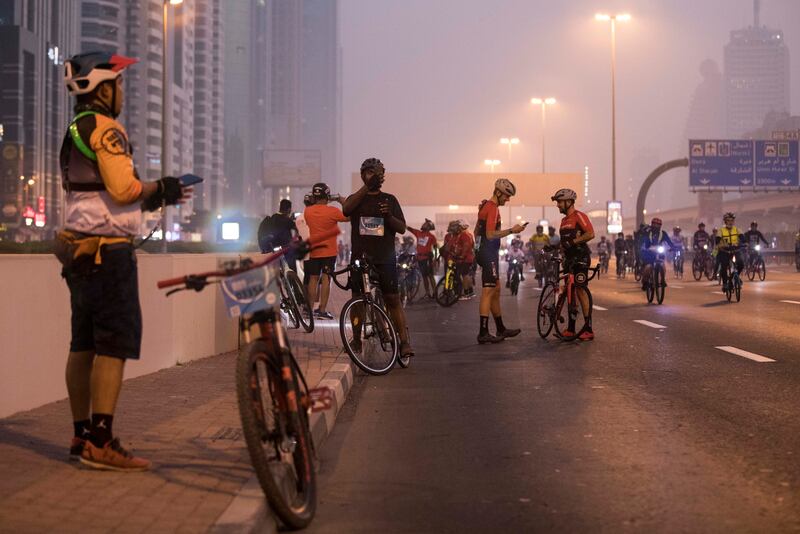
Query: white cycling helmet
x=84, y=72
x=505, y=186
x=564, y=194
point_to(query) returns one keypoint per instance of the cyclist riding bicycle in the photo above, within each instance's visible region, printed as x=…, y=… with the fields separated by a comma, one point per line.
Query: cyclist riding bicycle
x=637, y=240
x=104, y=200
x=730, y=243
x=536, y=245
x=488, y=233
x=515, y=252
x=576, y=232
x=700, y=238
x=678, y=242
x=713, y=241
x=603, y=250
x=653, y=237
x=752, y=237
x=619, y=248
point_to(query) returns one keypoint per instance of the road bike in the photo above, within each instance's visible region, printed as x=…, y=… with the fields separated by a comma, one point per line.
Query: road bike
x=733, y=286
x=755, y=264
x=409, y=278
x=450, y=287
x=273, y=397
x=677, y=263
x=516, y=273
x=368, y=334
x=559, y=304
x=702, y=264
x=656, y=285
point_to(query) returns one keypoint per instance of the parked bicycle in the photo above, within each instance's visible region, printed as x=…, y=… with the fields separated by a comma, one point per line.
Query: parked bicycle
x=755, y=264
x=368, y=335
x=450, y=287
x=559, y=304
x=273, y=397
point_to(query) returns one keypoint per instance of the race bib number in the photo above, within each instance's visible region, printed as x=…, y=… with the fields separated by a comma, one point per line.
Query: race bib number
x=371, y=226
x=251, y=291
x=422, y=241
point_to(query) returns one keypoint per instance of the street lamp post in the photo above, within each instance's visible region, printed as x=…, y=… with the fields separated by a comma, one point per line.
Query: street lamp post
x=510, y=141
x=492, y=163
x=165, y=118
x=613, y=19
x=543, y=102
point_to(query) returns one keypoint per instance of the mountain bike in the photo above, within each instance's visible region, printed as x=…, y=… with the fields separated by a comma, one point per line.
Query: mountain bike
x=367, y=332
x=677, y=263
x=755, y=264
x=273, y=397
x=656, y=285
x=559, y=304
x=294, y=298
x=516, y=273
x=449, y=288
x=702, y=264
x=733, y=287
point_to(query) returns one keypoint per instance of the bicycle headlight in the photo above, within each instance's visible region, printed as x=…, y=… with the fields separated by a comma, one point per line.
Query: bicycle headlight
x=404, y=266
x=705, y=247
x=357, y=263
x=276, y=249
x=758, y=247
x=660, y=250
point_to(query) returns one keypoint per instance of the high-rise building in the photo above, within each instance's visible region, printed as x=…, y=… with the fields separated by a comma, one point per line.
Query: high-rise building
x=756, y=76
x=208, y=103
x=35, y=38
x=245, y=89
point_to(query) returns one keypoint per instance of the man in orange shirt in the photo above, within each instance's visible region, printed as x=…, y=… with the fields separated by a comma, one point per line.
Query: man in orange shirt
x=320, y=219
x=426, y=247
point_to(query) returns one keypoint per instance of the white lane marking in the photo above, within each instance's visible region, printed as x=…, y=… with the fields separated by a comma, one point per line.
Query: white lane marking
x=745, y=354
x=648, y=323
x=676, y=287
x=791, y=301
x=717, y=292
x=596, y=307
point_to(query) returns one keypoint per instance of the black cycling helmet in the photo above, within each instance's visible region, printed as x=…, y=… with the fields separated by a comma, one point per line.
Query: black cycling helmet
x=428, y=225
x=308, y=200
x=729, y=215
x=701, y=225
x=373, y=164
x=620, y=234
x=321, y=191
x=753, y=223
x=539, y=228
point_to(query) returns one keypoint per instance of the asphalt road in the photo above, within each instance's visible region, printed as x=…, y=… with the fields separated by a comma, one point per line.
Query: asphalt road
x=644, y=429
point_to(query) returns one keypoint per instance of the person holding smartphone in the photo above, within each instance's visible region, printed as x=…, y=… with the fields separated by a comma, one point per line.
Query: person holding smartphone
x=488, y=233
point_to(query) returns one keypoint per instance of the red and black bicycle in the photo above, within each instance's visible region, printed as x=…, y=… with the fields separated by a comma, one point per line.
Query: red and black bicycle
x=565, y=303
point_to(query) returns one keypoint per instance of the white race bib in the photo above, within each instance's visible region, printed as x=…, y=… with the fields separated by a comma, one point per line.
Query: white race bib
x=422, y=241
x=371, y=226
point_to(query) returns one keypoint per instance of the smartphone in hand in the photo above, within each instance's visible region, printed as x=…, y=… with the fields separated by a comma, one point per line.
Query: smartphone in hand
x=188, y=180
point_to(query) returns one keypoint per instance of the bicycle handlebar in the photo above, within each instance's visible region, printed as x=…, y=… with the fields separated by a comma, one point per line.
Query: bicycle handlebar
x=198, y=281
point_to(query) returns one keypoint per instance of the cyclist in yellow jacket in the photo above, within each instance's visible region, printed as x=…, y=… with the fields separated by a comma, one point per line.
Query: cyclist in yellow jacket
x=729, y=246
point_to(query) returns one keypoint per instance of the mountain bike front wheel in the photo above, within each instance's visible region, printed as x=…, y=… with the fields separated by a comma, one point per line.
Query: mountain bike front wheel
x=275, y=428
x=302, y=307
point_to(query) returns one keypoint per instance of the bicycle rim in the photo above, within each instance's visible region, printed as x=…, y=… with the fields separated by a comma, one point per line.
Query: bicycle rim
x=762, y=270
x=737, y=288
x=278, y=440
x=364, y=320
x=751, y=272
x=304, y=309
x=545, y=312
x=661, y=285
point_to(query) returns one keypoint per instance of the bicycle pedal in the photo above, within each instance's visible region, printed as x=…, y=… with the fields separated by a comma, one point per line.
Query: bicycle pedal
x=321, y=399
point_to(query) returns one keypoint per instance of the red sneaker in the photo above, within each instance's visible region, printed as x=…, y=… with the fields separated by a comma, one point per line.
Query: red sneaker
x=113, y=457
x=76, y=448
x=567, y=333
x=586, y=336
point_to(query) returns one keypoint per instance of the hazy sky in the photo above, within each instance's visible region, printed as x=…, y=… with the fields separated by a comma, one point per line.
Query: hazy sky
x=431, y=85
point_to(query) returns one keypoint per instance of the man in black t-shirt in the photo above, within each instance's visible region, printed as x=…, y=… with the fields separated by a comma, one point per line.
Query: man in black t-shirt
x=278, y=230
x=375, y=219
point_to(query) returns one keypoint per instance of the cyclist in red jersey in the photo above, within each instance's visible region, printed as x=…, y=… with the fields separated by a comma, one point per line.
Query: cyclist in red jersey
x=426, y=250
x=576, y=231
x=488, y=234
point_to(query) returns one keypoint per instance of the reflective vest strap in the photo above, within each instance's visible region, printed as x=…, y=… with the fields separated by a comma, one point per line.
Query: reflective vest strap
x=76, y=136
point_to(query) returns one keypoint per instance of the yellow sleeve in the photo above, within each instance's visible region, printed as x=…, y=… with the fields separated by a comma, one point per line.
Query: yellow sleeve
x=110, y=142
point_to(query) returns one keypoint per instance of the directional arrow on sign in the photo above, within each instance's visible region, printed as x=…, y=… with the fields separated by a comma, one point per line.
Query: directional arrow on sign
x=745, y=181
x=705, y=181
x=786, y=182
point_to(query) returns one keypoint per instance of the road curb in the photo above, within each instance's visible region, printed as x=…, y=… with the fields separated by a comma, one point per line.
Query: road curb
x=249, y=512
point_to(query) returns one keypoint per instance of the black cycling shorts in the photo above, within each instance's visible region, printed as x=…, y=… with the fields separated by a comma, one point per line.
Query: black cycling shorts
x=106, y=316
x=577, y=261
x=425, y=267
x=489, y=262
x=386, y=274
x=315, y=266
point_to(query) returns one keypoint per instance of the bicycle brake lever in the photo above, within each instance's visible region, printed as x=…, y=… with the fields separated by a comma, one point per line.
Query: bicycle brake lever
x=196, y=283
x=171, y=291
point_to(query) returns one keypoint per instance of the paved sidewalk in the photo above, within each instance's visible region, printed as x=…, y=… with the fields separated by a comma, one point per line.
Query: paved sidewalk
x=184, y=419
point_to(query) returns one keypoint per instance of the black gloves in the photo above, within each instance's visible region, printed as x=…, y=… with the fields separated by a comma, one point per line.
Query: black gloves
x=169, y=192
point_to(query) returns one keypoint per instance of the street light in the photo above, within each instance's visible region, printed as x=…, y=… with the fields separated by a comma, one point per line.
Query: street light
x=544, y=102
x=492, y=163
x=164, y=118
x=624, y=17
x=510, y=142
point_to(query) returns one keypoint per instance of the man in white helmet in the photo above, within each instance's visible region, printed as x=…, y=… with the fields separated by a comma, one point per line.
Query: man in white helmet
x=488, y=233
x=576, y=232
x=104, y=202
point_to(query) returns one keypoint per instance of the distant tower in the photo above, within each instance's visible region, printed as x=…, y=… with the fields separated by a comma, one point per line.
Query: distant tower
x=756, y=76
